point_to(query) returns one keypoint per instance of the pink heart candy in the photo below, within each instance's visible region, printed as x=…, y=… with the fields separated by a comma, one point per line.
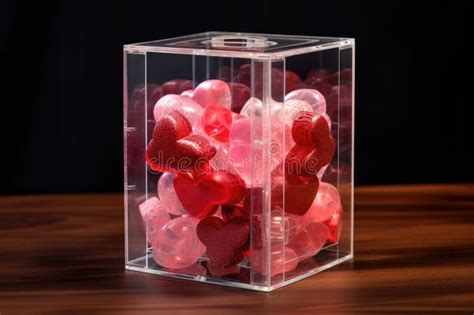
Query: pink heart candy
x=313, y=97
x=281, y=260
x=177, y=245
x=246, y=150
x=309, y=240
x=154, y=217
x=326, y=209
x=188, y=93
x=169, y=200
x=186, y=106
x=213, y=92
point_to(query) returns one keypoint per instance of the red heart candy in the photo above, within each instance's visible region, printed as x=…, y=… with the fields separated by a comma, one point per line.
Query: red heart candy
x=295, y=198
x=200, y=197
x=240, y=95
x=216, y=121
x=174, y=148
x=302, y=161
x=315, y=147
x=318, y=73
x=176, y=86
x=225, y=242
x=253, y=202
x=310, y=129
x=292, y=80
x=335, y=226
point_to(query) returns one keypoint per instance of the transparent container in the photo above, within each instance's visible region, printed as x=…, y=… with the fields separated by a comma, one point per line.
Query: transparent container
x=239, y=157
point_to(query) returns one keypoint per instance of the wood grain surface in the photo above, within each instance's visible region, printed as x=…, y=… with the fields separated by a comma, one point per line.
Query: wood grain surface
x=414, y=253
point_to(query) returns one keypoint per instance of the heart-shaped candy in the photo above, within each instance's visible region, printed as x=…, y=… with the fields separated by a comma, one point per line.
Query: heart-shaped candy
x=168, y=198
x=292, y=80
x=326, y=208
x=311, y=96
x=188, y=94
x=303, y=163
x=186, y=106
x=213, y=92
x=200, y=197
x=310, y=129
x=225, y=242
x=176, y=86
x=315, y=147
x=154, y=217
x=240, y=95
x=309, y=240
x=176, y=245
x=174, y=149
x=295, y=198
x=216, y=121
x=281, y=260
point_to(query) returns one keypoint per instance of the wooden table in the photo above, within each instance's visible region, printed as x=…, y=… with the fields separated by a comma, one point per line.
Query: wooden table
x=414, y=253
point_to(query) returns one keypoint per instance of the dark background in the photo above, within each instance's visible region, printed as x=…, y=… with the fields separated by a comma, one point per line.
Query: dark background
x=61, y=69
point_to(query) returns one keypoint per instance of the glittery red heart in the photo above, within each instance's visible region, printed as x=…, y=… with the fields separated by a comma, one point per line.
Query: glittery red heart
x=225, y=242
x=200, y=197
x=310, y=129
x=315, y=147
x=174, y=148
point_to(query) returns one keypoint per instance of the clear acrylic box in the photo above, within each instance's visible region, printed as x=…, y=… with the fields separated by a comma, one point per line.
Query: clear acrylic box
x=239, y=157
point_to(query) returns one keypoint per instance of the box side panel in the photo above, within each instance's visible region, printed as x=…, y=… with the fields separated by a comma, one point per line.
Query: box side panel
x=316, y=176
x=203, y=144
x=345, y=149
x=135, y=167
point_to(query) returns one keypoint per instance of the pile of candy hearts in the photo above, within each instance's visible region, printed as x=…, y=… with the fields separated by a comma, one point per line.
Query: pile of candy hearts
x=213, y=157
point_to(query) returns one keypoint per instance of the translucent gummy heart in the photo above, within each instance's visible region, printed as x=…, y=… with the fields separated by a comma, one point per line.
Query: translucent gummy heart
x=186, y=106
x=291, y=110
x=221, y=161
x=281, y=260
x=326, y=208
x=283, y=226
x=188, y=93
x=213, y=92
x=254, y=108
x=309, y=240
x=313, y=97
x=169, y=200
x=177, y=245
x=216, y=122
x=154, y=217
x=247, y=147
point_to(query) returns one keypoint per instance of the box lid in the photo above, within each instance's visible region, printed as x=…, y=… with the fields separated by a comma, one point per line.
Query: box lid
x=244, y=45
